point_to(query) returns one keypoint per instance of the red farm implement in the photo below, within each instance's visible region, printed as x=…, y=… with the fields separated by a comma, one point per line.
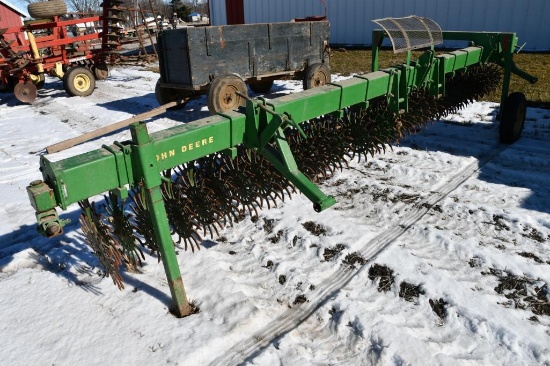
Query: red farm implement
x=56, y=46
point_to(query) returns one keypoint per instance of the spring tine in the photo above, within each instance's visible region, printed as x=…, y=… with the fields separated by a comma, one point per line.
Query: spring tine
x=121, y=232
x=98, y=236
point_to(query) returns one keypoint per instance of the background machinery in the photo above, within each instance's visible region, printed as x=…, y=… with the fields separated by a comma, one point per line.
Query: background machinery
x=47, y=45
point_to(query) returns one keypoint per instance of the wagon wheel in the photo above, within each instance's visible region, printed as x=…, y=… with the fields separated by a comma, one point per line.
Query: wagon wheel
x=101, y=71
x=25, y=92
x=316, y=75
x=79, y=81
x=261, y=86
x=167, y=95
x=222, y=94
x=512, y=118
x=47, y=9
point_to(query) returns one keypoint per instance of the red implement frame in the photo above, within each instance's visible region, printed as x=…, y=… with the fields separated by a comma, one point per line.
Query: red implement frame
x=45, y=47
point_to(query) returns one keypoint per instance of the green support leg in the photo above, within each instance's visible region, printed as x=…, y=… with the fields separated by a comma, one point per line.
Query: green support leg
x=283, y=160
x=146, y=159
x=376, y=44
x=506, y=77
x=167, y=251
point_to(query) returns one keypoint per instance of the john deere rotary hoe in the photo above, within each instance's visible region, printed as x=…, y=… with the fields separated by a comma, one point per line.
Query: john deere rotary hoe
x=191, y=180
x=43, y=46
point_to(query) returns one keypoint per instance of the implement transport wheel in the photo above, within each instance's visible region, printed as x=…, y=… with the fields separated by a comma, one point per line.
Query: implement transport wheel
x=47, y=9
x=79, y=82
x=25, y=92
x=222, y=94
x=167, y=95
x=261, y=86
x=101, y=71
x=316, y=75
x=512, y=118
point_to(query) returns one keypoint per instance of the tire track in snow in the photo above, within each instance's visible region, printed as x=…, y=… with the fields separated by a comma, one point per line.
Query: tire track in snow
x=254, y=345
x=67, y=111
x=81, y=113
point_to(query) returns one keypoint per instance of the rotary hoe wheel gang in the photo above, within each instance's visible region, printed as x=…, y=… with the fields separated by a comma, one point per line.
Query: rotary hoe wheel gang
x=203, y=196
x=190, y=181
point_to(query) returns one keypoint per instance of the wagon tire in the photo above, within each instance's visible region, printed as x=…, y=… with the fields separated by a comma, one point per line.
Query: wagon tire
x=317, y=75
x=47, y=9
x=101, y=71
x=261, y=86
x=222, y=94
x=167, y=95
x=79, y=82
x=512, y=118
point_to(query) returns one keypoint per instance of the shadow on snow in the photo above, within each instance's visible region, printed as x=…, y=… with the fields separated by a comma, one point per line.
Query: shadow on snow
x=523, y=164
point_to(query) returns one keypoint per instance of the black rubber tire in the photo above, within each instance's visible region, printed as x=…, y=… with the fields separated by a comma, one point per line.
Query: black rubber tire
x=317, y=75
x=261, y=86
x=512, y=118
x=79, y=82
x=12, y=82
x=101, y=71
x=167, y=95
x=222, y=94
x=47, y=9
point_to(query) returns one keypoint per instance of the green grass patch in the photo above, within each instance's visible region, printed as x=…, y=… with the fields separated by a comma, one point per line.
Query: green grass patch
x=356, y=61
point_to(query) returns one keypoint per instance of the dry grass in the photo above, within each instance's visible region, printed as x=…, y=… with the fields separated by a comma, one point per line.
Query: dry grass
x=349, y=61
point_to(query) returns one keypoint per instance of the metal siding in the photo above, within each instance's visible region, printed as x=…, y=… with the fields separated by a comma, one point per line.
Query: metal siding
x=360, y=21
x=265, y=11
x=410, y=8
x=351, y=19
x=218, y=13
x=543, y=36
x=9, y=17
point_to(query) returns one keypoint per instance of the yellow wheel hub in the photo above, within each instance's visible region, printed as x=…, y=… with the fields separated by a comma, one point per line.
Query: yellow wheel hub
x=82, y=82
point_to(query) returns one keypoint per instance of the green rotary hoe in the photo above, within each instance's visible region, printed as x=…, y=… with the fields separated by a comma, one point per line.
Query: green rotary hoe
x=187, y=182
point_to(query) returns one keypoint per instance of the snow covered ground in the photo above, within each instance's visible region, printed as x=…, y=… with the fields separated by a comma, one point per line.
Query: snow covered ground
x=437, y=253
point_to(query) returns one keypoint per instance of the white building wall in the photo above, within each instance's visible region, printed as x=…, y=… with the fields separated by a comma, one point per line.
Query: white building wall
x=350, y=20
x=217, y=12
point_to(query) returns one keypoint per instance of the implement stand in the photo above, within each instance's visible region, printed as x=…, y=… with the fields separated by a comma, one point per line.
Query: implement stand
x=145, y=159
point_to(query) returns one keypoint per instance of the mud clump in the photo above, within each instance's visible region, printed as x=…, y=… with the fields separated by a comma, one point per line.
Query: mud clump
x=410, y=292
x=385, y=274
x=314, y=228
x=354, y=258
x=439, y=307
x=300, y=299
x=522, y=292
x=330, y=253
